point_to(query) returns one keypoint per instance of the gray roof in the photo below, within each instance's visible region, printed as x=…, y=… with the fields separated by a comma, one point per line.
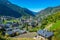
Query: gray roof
x=45, y=33
x=9, y=32
x=2, y=25
x=7, y=25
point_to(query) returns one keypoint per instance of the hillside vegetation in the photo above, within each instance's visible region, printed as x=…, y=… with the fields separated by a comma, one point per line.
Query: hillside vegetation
x=55, y=20
x=50, y=19
x=56, y=29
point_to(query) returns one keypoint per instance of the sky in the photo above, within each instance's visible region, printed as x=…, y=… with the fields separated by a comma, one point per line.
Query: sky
x=36, y=5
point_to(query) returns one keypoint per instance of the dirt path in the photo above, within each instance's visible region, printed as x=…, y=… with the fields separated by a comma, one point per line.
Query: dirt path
x=27, y=35
x=48, y=26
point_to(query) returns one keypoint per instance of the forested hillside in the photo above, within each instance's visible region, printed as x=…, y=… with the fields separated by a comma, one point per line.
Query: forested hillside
x=9, y=9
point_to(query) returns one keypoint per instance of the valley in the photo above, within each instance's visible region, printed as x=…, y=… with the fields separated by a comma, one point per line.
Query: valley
x=19, y=23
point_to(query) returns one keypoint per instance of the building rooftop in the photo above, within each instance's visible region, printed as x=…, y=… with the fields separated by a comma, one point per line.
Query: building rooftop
x=2, y=26
x=45, y=33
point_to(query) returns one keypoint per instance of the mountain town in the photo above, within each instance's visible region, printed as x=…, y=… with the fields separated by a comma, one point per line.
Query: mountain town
x=18, y=23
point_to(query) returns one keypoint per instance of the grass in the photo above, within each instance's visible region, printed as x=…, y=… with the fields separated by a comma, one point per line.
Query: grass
x=56, y=29
x=56, y=25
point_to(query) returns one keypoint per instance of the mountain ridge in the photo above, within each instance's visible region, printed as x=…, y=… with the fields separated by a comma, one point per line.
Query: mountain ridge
x=9, y=9
x=48, y=11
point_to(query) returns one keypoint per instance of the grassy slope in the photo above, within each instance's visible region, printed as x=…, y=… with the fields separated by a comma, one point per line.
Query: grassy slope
x=56, y=28
x=56, y=25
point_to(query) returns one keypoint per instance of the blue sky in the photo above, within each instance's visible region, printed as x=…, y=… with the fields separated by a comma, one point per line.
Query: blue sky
x=36, y=5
